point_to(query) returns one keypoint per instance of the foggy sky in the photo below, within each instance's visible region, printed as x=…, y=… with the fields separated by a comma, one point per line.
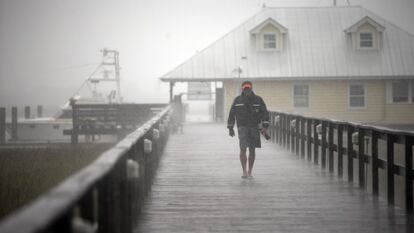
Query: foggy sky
x=48, y=47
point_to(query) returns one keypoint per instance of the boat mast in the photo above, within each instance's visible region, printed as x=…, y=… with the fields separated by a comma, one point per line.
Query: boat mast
x=110, y=62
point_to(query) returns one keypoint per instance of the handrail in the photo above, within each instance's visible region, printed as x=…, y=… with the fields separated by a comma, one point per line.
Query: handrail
x=103, y=196
x=292, y=131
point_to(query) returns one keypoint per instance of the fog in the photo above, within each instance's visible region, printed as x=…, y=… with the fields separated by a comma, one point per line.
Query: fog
x=48, y=47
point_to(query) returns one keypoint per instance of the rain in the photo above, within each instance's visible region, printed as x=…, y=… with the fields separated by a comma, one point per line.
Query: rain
x=144, y=116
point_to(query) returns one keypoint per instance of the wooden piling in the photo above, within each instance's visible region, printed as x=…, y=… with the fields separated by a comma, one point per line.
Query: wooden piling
x=27, y=112
x=39, y=111
x=14, y=124
x=2, y=125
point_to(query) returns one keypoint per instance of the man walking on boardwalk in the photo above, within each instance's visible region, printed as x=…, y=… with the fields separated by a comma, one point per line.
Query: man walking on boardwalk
x=252, y=117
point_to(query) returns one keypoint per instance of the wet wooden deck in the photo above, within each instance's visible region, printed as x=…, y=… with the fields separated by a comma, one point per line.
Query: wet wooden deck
x=198, y=189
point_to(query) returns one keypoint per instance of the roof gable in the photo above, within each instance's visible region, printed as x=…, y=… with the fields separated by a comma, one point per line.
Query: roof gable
x=315, y=48
x=364, y=20
x=257, y=29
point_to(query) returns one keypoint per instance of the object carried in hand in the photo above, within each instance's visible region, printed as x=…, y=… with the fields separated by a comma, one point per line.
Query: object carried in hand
x=231, y=132
x=265, y=135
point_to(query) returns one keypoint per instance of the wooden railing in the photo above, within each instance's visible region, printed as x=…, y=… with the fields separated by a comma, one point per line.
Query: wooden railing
x=316, y=137
x=114, y=119
x=107, y=195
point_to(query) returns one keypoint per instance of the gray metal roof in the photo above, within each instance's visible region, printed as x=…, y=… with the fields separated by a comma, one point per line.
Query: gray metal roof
x=316, y=46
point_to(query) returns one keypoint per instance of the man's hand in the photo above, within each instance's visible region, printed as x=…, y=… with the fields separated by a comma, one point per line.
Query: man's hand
x=231, y=132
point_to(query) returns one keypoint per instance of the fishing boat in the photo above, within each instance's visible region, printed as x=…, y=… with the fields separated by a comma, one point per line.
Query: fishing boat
x=50, y=129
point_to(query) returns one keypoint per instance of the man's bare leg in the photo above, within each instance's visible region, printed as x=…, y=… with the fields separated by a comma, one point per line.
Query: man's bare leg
x=243, y=161
x=252, y=156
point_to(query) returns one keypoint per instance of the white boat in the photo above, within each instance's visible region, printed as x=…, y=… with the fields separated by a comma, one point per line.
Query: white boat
x=50, y=129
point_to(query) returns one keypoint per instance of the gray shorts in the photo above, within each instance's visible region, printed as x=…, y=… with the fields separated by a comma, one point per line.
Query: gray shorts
x=249, y=137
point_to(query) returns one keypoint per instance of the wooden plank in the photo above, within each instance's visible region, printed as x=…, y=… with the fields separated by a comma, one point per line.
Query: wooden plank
x=200, y=190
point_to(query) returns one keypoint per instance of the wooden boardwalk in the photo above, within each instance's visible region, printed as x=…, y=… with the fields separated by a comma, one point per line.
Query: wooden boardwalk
x=198, y=189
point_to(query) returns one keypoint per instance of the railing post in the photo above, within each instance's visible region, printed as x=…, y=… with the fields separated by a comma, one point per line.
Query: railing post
x=284, y=132
x=350, y=150
x=287, y=129
x=63, y=225
x=292, y=135
x=275, y=130
x=107, y=205
x=88, y=207
x=281, y=133
x=2, y=125
x=390, y=169
x=315, y=142
x=309, y=138
x=14, y=124
x=331, y=146
x=361, y=157
x=302, y=136
x=75, y=123
x=323, y=146
x=297, y=134
x=374, y=149
x=408, y=144
x=340, y=150
x=124, y=203
x=271, y=129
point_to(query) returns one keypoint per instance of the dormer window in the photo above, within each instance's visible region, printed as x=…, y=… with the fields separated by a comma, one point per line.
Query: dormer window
x=366, y=40
x=366, y=34
x=269, y=41
x=268, y=36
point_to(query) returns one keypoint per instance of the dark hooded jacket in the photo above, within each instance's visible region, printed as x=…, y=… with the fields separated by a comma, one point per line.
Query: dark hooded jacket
x=248, y=111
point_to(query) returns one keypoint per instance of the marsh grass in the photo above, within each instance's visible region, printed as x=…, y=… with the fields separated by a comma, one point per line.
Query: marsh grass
x=25, y=174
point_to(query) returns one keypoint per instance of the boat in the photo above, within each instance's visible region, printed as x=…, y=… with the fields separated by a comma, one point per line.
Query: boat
x=50, y=129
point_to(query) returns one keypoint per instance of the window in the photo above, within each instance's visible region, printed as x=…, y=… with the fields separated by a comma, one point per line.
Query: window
x=366, y=40
x=269, y=41
x=356, y=95
x=400, y=91
x=301, y=96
